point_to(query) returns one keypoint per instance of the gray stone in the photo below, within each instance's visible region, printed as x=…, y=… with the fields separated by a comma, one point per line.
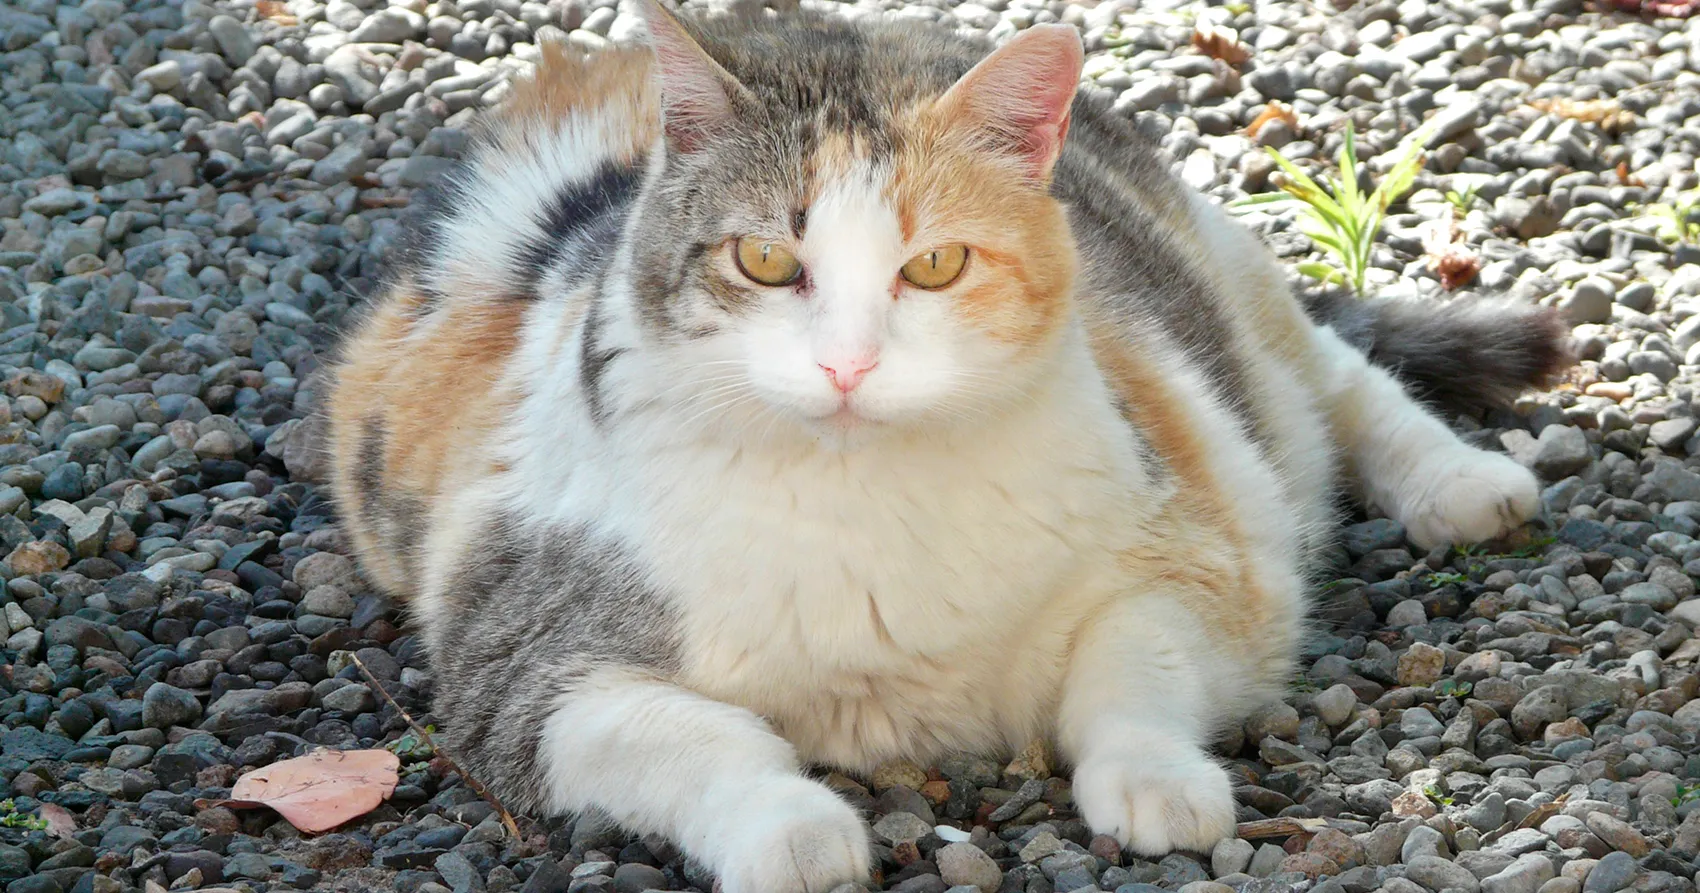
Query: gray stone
x=900, y=826
x=352, y=69
x=343, y=162
x=1264, y=862
x=1560, y=451
x=1439, y=874
x=354, y=698
x=1231, y=856
x=1537, y=709
x=390, y=25
x=1612, y=873
x=424, y=170
x=328, y=601
x=164, y=706
x=1673, y=482
x=1455, y=118
x=233, y=39
x=1423, y=841
x=964, y=864
x=1526, y=875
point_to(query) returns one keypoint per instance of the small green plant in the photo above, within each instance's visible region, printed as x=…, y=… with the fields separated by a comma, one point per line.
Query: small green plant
x=1462, y=202
x=1337, y=214
x=1685, y=793
x=413, y=749
x=10, y=817
x=1452, y=688
x=1433, y=793
x=1535, y=548
x=1678, y=222
x=1447, y=578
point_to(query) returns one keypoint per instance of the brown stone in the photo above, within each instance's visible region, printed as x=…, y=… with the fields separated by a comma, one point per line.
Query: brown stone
x=936, y=792
x=1338, y=847
x=336, y=852
x=38, y=558
x=1565, y=730
x=1412, y=803
x=48, y=388
x=1618, y=834
x=222, y=775
x=1311, y=865
x=1034, y=761
x=218, y=820
x=1422, y=664
x=899, y=772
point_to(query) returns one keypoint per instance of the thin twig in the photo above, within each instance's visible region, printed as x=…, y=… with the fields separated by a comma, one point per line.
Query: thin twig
x=477, y=788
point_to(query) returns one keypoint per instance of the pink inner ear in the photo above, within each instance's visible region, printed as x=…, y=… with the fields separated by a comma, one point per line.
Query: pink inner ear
x=1022, y=93
x=695, y=90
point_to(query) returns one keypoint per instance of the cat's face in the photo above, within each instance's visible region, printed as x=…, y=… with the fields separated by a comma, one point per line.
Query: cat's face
x=846, y=269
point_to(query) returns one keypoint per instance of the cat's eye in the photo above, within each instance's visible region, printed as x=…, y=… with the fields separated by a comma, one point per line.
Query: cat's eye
x=766, y=262
x=936, y=268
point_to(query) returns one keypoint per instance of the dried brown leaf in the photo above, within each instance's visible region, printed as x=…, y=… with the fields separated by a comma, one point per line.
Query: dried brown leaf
x=1449, y=258
x=1279, y=827
x=319, y=791
x=1627, y=178
x=60, y=822
x=276, y=11
x=1271, y=112
x=1605, y=114
x=1219, y=42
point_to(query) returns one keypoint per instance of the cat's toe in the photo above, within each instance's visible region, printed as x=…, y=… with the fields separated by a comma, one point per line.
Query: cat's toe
x=795, y=836
x=1154, y=805
x=1468, y=497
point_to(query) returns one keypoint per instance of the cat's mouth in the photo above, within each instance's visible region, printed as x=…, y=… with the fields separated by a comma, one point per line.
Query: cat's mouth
x=848, y=416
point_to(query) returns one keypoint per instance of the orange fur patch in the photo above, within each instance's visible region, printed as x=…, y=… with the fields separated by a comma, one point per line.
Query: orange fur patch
x=1215, y=576
x=567, y=83
x=1022, y=264
x=435, y=393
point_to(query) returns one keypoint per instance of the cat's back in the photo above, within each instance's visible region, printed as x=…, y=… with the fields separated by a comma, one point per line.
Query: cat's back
x=425, y=380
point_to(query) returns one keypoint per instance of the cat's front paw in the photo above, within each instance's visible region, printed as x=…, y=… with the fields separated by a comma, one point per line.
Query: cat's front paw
x=1468, y=496
x=1154, y=802
x=792, y=835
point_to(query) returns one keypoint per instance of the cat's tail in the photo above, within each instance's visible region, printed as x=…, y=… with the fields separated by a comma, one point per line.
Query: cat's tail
x=1464, y=355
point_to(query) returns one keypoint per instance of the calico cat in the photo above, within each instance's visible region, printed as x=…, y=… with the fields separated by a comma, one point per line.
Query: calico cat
x=810, y=391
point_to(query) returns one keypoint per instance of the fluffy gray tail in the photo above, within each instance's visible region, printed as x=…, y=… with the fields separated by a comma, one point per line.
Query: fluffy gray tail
x=1464, y=355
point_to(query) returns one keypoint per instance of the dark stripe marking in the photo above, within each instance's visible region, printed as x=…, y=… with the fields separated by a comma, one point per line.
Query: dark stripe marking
x=580, y=224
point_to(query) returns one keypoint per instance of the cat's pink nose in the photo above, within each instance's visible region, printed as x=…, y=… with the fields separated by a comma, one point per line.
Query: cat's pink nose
x=846, y=374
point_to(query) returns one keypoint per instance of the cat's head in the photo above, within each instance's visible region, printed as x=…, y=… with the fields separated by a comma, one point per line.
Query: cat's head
x=850, y=227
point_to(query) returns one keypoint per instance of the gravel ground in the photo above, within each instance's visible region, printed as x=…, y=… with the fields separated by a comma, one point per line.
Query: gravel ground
x=193, y=197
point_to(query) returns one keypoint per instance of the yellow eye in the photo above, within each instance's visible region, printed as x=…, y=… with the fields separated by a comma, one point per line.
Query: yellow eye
x=936, y=268
x=766, y=262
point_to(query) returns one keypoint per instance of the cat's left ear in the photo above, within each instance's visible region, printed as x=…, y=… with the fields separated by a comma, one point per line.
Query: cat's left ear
x=1020, y=95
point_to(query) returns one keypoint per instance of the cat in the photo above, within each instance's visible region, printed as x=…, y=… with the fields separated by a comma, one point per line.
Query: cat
x=822, y=392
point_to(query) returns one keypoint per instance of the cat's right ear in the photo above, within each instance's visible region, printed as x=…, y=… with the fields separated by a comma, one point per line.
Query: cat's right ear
x=696, y=93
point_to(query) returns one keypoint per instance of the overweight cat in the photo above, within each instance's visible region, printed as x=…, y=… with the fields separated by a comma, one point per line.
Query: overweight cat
x=815, y=392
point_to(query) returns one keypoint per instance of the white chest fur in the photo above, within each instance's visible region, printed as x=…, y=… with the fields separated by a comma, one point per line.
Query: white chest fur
x=898, y=599
x=878, y=602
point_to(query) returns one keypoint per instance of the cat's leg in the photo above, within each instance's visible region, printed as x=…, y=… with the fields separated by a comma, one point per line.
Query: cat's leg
x=712, y=777
x=1410, y=464
x=1135, y=720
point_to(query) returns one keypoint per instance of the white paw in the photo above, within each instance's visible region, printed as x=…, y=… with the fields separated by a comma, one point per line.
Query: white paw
x=793, y=836
x=1467, y=496
x=1155, y=802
